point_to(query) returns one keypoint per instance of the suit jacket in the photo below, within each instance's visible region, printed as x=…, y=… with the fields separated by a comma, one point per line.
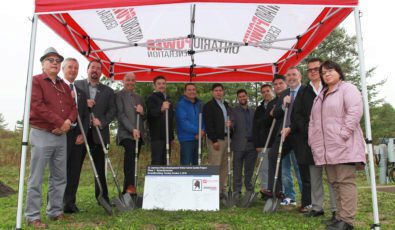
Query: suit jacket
x=157, y=119
x=83, y=111
x=239, y=140
x=127, y=115
x=214, y=121
x=301, y=118
x=258, y=130
x=104, y=109
x=291, y=142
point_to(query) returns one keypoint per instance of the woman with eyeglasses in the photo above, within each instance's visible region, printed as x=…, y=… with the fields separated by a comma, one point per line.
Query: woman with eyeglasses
x=336, y=139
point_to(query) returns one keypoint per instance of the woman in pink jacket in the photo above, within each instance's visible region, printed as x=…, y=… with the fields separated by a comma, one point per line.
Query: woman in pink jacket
x=336, y=139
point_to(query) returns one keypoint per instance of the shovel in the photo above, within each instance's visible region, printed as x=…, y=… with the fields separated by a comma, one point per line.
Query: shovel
x=249, y=197
x=103, y=202
x=138, y=200
x=228, y=199
x=273, y=203
x=200, y=140
x=167, y=138
x=123, y=202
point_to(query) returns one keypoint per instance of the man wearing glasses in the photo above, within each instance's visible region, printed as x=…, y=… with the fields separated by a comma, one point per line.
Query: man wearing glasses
x=302, y=112
x=52, y=112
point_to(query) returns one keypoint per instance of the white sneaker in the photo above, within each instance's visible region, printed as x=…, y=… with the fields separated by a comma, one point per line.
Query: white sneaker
x=288, y=201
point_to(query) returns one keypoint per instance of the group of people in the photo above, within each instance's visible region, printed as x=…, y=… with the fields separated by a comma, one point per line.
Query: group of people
x=321, y=132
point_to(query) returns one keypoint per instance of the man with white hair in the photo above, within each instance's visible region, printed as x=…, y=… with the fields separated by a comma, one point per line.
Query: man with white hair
x=75, y=153
x=51, y=115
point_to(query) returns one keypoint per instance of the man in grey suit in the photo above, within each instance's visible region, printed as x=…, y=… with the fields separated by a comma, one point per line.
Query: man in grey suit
x=243, y=144
x=102, y=104
x=129, y=104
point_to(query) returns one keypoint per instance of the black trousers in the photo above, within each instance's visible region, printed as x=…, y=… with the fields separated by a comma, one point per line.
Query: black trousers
x=247, y=159
x=98, y=159
x=158, y=152
x=75, y=159
x=273, y=155
x=304, y=171
x=128, y=162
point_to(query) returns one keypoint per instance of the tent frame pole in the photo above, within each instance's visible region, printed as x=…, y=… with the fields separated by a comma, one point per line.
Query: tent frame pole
x=368, y=130
x=26, y=115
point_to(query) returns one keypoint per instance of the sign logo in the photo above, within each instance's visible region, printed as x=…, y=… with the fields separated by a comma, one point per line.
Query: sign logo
x=196, y=185
x=261, y=28
x=124, y=18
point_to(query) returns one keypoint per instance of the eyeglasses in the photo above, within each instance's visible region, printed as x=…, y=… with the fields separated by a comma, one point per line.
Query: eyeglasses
x=52, y=60
x=323, y=73
x=316, y=69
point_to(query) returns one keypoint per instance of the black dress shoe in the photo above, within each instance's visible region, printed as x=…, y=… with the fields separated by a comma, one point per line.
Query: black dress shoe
x=71, y=209
x=314, y=213
x=330, y=220
x=339, y=225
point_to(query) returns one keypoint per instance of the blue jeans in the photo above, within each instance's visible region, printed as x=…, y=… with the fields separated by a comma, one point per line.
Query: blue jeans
x=189, y=152
x=287, y=176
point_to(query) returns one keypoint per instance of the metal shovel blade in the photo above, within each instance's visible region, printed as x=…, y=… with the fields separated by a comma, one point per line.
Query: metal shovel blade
x=228, y=200
x=103, y=202
x=271, y=205
x=138, y=201
x=123, y=203
x=248, y=198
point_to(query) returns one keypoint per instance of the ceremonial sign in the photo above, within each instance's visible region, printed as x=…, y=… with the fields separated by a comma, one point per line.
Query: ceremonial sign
x=181, y=188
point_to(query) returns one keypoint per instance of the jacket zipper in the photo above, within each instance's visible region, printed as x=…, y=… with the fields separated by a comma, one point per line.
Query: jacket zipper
x=322, y=128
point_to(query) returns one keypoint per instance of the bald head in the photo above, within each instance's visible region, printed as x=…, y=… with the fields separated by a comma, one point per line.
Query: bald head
x=129, y=81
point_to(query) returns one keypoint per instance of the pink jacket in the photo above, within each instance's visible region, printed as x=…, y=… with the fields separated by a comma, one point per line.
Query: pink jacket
x=335, y=135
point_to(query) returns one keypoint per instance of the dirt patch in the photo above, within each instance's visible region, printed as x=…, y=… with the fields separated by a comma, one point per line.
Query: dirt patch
x=148, y=227
x=222, y=227
x=5, y=190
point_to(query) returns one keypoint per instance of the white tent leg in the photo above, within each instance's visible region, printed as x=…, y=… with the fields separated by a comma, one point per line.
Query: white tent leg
x=368, y=129
x=26, y=116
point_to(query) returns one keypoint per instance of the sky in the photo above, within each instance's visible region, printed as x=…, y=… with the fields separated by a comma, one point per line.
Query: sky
x=15, y=41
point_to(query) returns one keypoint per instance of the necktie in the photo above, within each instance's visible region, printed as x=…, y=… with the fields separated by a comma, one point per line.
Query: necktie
x=71, y=87
x=292, y=95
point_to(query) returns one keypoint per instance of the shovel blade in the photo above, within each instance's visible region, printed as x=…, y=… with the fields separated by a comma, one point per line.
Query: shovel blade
x=138, y=201
x=123, y=204
x=248, y=199
x=271, y=205
x=107, y=207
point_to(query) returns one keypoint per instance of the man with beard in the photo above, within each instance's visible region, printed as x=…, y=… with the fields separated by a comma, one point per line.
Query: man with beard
x=242, y=144
x=101, y=103
x=279, y=86
x=75, y=153
x=260, y=133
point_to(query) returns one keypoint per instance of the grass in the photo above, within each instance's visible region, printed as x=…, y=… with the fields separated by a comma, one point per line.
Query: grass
x=94, y=217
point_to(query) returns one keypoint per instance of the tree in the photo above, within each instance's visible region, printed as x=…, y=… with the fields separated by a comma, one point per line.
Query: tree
x=383, y=123
x=342, y=48
x=3, y=124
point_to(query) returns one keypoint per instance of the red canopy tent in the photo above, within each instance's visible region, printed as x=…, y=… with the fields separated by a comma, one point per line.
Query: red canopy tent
x=199, y=41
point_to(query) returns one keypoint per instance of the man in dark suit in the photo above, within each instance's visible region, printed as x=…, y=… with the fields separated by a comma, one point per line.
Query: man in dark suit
x=260, y=132
x=293, y=79
x=75, y=153
x=129, y=105
x=279, y=86
x=157, y=104
x=215, y=113
x=301, y=119
x=101, y=101
x=242, y=144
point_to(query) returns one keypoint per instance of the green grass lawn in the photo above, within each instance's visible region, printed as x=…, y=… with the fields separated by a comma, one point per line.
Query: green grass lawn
x=93, y=216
